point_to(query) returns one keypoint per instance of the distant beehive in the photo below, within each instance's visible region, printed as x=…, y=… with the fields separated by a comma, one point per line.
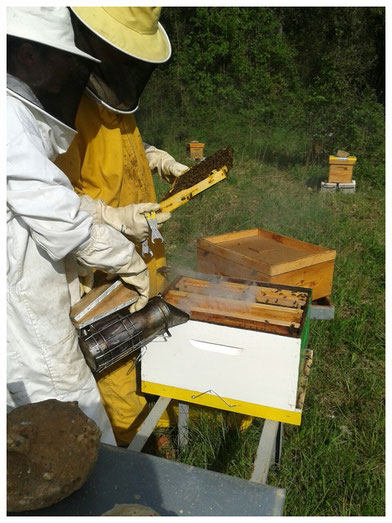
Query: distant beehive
x=341, y=169
x=195, y=150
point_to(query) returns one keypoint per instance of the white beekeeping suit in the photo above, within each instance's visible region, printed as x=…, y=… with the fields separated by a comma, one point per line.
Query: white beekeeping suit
x=46, y=226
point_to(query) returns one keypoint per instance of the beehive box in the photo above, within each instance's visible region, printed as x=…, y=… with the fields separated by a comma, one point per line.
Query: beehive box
x=243, y=349
x=262, y=255
x=195, y=150
x=341, y=169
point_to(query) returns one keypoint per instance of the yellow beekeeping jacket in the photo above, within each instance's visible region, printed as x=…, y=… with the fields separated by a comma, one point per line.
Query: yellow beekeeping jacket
x=106, y=160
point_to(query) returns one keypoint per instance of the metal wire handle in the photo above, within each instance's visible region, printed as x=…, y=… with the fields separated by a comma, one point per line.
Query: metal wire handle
x=213, y=392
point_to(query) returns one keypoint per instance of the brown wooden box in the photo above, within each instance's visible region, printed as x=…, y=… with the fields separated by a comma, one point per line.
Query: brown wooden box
x=195, y=150
x=341, y=169
x=267, y=256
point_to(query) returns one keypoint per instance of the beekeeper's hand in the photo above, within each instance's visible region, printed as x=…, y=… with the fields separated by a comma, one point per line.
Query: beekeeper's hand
x=135, y=273
x=164, y=164
x=86, y=278
x=111, y=251
x=129, y=220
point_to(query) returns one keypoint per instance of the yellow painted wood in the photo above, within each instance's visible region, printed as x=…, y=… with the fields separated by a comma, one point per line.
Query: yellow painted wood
x=185, y=195
x=341, y=159
x=210, y=400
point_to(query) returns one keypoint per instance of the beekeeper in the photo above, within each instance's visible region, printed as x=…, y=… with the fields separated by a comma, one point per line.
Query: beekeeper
x=48, y=232
x=108, y=160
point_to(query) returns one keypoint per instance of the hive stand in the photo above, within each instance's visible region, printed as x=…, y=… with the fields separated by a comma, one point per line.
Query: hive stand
x=344, y=187
x=268, y=452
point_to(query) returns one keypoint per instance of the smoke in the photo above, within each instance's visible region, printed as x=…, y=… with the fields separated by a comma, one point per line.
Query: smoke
x=215, y=293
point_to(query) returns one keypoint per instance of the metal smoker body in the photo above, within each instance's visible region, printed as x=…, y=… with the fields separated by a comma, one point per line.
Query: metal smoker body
x=118, y=335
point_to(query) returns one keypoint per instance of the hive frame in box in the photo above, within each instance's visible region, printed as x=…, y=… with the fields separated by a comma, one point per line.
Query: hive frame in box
x=269, y=349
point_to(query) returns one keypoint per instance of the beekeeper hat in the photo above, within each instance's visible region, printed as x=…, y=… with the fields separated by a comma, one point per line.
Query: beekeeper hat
x=135, y=31
x=50, y=26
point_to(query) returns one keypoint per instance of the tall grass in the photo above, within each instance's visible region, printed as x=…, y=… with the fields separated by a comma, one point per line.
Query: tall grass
x=333, y=464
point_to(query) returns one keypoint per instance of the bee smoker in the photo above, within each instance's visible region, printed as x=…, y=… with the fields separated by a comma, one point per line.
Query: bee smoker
x=118, y=335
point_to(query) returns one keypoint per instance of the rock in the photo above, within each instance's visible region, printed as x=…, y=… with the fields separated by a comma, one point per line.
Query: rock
x=52, y=447
x=130, y=510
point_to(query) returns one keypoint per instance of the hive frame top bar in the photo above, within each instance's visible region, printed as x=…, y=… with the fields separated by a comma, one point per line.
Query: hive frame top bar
x=278, y=312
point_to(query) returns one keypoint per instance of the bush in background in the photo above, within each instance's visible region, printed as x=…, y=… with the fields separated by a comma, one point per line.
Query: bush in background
x=286, y=86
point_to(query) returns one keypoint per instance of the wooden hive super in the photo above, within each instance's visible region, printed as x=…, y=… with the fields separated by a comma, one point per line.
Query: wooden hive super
x=243, y=349
x=341, y=169
x=262, y=255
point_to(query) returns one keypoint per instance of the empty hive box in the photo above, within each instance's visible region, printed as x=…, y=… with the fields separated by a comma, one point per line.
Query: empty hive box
x=243, y=349
x=267, y=256
x=341, y=169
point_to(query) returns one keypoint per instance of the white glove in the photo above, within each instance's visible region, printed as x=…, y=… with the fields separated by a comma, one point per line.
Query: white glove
x=161, y=161
x=129, y=220
x=135, y=273
x=110, y=250
x=86, y=278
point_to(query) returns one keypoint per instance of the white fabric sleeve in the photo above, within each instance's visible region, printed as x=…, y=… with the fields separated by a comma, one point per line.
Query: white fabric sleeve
x=92, y=206
x=40, y=193
x=108, y=249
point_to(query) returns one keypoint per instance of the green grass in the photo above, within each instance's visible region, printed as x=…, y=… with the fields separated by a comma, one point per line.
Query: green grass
x=333, y=464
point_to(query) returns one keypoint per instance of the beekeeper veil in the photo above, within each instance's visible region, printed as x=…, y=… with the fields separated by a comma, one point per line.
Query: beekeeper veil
x=130, y=42
x=44, y=66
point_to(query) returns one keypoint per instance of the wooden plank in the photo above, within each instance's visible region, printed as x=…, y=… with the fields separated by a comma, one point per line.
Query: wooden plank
x=205, y=242
x=276, y=253
x=255, y=293
x=241, y=320
x=149, y=424
x=121, y=295
x=317, y=277
x=350, y=160
x=240, y=287
x=303, y=381
x=283, y=302
x=270, y=290
x=87, y=299
x=262, y=308
x=232, y=256
x=340, y=174
x=210, y=400
x=265, y=451
x=218, y=305
x=264, y=234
